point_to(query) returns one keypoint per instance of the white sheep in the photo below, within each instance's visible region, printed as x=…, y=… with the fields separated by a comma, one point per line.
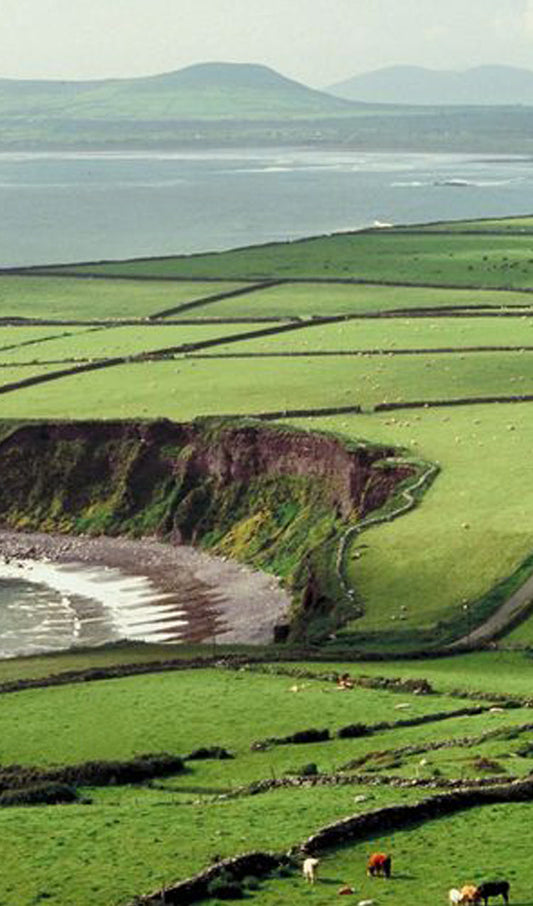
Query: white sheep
x=309, y=869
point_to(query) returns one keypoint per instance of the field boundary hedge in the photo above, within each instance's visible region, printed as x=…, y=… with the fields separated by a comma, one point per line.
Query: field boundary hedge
x=216, y=297
x=300, y=781
x=347, y=830
x=362, y=729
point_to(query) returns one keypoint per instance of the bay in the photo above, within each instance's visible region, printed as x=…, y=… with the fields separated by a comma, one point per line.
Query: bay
x=66, y=207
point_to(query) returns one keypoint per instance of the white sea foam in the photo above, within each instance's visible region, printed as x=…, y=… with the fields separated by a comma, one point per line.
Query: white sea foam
x=91, y=598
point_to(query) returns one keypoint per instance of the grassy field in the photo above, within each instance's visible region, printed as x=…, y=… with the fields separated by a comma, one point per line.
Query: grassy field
x=475, y=521
x=413, y=576
x=453, y=260
x=132, y=839
x=106, y=342
x=514, y=225
x=427, y=861
x=393, y=334
x=188, y=387
x=303, y=300
x=56, y=298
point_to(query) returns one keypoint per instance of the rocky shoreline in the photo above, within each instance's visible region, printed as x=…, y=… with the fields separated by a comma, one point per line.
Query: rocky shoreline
x=222, y=599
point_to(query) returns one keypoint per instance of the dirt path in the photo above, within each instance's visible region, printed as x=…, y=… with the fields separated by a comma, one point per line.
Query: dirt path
x=517, y=605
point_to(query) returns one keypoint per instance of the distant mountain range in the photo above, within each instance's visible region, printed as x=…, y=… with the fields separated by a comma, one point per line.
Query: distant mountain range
x=244, y=105
x=203, y=91
x=483, y=86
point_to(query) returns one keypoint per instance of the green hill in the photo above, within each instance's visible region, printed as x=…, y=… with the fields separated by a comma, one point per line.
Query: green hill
x=205, y=90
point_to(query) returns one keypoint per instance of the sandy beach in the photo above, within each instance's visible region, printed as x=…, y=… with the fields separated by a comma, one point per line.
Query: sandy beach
x=181, y=594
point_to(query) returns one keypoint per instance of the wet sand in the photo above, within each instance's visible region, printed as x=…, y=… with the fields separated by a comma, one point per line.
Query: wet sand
x=197, y=597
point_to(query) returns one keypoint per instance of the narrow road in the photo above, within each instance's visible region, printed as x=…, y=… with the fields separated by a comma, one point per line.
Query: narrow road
x=516, y=606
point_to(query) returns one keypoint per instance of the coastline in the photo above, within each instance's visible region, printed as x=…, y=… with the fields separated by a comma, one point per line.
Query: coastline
x=206, y=598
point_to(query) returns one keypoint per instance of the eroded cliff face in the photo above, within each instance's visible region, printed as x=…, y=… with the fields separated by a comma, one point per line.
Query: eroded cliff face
x=275, y=497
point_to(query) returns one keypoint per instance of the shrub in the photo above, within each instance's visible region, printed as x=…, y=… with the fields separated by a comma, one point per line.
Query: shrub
x=104, y=773
x=39, y=794
x=353, y=730
x=225, y=887
x=210, y=752
x=303, y=736
x=482, y=763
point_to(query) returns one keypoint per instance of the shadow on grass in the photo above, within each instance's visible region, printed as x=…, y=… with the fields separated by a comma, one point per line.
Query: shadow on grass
x=199, y=790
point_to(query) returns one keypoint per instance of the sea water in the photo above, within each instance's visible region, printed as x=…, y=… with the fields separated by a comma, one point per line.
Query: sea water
x=46, y=606
x=64, y=207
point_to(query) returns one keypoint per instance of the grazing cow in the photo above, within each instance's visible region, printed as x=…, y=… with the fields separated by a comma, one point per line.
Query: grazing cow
x=379, y=864
x=469, y=894
x=455, y=897
x=309, y=869
x=493, y=889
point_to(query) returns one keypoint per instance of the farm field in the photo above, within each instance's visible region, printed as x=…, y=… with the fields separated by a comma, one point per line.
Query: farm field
x=477, y=519
x=308, y=299
x=515, y=225
x=486, y=261
x=129, y=840
x=431, y=860
x=34, y=297
x=419, y=580
x=187, y=387
x=391, y=335
x=106, y=342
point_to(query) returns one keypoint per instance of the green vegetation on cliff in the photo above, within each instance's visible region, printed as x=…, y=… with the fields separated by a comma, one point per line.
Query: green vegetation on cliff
x=279, y=499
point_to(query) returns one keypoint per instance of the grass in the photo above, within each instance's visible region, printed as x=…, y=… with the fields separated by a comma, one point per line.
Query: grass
x=187, y=387
x=115, y=341
x=134, y=839
x=391, y=334
x=498, y=672
x=427, y=861
x=114, y=850
x=95, y=721
x=468, y=534
x=55, y=298
x=301, y=300
x=475, y=261
x=500, y=225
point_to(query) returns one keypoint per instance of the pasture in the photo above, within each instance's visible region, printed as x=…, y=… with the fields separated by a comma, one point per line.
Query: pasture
x=52, y=299
x=391, y=346
x=387, y=256
x=131, y=839
x=419, y=580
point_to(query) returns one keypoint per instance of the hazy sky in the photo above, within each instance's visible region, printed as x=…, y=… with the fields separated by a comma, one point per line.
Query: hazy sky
x=315, y=41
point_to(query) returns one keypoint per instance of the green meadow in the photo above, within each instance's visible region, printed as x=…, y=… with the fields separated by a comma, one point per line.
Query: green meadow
x=187, y=387
x=57, y=298
x=383, y=256
x=427, y=861
x=434, y=567
x=419, y=580
x=126, y=840
x=305, y=300
x=107, y=342
x=391, y=334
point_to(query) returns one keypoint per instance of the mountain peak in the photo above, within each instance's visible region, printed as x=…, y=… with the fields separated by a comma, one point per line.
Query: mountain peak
x=486, y=85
